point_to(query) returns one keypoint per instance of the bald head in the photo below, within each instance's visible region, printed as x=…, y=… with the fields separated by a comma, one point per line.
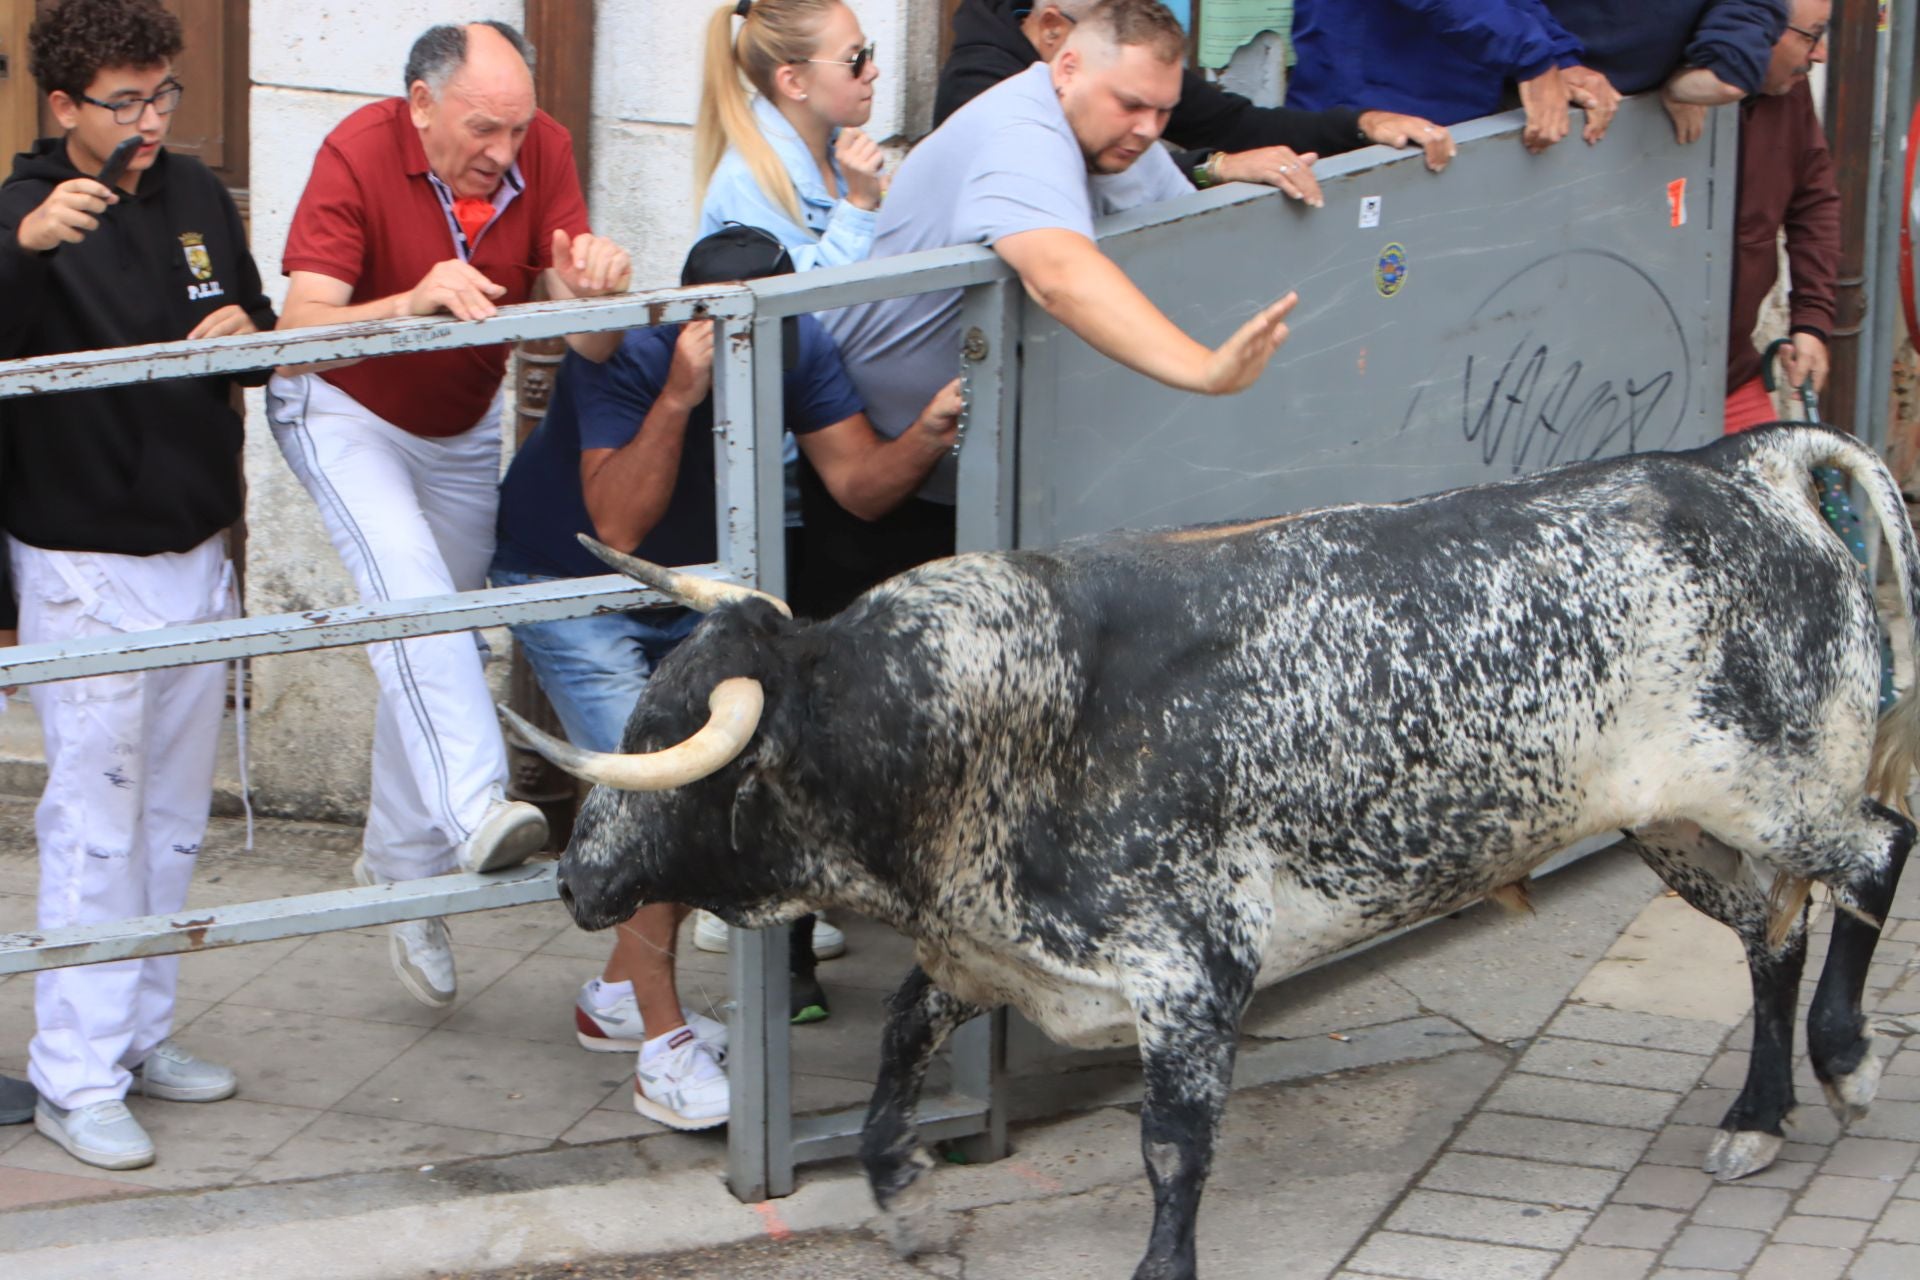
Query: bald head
x=486, y=48
x=470, y=92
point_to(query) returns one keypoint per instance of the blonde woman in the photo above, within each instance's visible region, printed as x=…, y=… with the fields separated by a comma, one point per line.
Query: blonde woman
x=791, y=159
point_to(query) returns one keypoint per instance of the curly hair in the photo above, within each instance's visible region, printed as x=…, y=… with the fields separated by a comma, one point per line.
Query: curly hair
x=69, y=46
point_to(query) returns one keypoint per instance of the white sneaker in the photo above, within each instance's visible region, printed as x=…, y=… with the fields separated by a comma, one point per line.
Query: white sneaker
x=421, y=951
x=171, y=1073
x=678, y=1083
x=509, y=833
x=710, y=934
x=617, y=1028
x=102, y=1134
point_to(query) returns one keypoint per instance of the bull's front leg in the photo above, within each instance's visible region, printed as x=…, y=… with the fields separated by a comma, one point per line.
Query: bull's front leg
x=1189, y=1024
x=920, y=1016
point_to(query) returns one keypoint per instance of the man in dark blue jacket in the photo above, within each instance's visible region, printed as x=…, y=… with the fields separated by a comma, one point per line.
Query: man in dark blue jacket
x=1448, y=61
x=1718, y=46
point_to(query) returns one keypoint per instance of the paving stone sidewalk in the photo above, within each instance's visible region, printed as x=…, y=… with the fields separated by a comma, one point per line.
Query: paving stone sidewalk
x=1583, y=1163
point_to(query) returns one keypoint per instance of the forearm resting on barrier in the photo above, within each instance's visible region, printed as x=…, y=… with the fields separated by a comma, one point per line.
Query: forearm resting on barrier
x=1087, y=292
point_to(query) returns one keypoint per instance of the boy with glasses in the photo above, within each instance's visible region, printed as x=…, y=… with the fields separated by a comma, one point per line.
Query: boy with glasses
x=116, y=503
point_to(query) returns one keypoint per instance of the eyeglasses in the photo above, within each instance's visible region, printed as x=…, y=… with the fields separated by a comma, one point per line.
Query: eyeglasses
x=129, y=110
x=1814, y=39
x=857, y=64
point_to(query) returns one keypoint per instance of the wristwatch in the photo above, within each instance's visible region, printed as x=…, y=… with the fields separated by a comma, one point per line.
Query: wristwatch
x=1207, y=172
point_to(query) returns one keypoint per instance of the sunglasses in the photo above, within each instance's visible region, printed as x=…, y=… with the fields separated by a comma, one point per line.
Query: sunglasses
x=857, y=64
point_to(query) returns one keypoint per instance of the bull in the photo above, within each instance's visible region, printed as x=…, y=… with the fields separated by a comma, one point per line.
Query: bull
x=1121, y=784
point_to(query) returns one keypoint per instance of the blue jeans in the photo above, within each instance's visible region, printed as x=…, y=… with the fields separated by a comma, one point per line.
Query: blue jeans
x=594, y=669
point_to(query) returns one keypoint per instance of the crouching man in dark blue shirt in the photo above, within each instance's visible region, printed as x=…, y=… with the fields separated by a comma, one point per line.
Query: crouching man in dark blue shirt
x=626, y=454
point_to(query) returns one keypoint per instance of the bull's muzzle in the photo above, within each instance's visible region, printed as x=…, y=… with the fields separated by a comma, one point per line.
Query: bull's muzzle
x=733, y=713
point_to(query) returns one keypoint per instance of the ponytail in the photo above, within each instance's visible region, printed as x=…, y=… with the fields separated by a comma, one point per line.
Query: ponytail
x=773, y=34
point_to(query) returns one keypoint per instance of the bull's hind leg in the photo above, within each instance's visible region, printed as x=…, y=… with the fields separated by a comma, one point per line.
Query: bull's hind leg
x=920, y=1016
x=1717, y=880
x=1838, y=1043
x=1189, y=1024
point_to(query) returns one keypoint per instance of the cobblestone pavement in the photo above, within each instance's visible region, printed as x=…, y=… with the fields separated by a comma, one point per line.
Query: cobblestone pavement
x=1584, y=1162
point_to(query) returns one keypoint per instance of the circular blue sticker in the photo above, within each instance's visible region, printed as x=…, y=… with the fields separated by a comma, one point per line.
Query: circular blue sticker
x=1390, y=272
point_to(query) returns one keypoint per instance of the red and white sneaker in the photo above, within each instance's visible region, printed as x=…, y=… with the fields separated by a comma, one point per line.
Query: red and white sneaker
x=617, y=1028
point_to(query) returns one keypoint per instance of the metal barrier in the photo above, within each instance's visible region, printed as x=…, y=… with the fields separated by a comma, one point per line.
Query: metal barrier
x=1644, y=373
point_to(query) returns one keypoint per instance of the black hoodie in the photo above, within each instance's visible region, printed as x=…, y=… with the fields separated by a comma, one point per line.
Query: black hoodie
x=136, y=469
x=988, y=46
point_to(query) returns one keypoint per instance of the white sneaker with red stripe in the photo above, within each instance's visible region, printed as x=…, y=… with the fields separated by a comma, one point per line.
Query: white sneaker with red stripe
x=678, y=1082
x=617, y=1027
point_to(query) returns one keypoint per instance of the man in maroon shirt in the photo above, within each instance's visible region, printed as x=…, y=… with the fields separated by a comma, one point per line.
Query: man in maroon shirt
x=453, y=199
x=1786, y=181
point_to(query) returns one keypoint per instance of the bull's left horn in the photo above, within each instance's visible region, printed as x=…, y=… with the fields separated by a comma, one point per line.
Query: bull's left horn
x=703, y=595
x=733, y=714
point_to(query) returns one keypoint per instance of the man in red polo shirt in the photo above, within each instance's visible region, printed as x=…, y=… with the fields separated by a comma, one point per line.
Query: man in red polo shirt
x=453, y=199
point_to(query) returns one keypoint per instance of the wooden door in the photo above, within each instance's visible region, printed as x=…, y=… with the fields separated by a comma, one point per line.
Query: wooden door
x=212, y=121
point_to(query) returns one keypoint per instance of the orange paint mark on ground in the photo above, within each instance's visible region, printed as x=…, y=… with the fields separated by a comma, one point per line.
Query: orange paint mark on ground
x=770, y=1219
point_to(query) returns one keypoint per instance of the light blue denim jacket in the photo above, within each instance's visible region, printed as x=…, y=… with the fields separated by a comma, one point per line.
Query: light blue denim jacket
x=835, y=233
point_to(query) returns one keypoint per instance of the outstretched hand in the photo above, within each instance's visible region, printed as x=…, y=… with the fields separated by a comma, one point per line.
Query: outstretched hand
x=1239, y=361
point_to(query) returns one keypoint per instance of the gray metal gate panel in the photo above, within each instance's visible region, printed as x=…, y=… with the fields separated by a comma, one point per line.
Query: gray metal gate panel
x=1549, y=311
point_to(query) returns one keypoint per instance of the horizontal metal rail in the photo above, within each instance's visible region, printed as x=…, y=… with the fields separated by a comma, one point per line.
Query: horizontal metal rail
x=780, y=296
x=832, y=1135
x=205, y=928
x=329, y=628
x=157, y=362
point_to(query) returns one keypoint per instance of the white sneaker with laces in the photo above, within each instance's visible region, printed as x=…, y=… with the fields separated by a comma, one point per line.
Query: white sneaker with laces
x=102, y=1134
x=509, y=833
x=678, y=1083
x=421, y=951
x=710, y=934
x=174, y=1075
x=618, y=1028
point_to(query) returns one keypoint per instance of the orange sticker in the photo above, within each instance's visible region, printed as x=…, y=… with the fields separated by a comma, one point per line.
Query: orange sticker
x=1677, y=202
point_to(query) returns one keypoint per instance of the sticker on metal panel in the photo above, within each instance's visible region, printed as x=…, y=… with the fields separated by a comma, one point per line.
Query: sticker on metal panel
x=1390, y=272
x=1369, y=212
x=1677, y=202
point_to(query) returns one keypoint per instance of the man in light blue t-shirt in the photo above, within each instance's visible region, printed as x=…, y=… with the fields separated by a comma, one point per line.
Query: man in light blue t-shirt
x=1026, y=167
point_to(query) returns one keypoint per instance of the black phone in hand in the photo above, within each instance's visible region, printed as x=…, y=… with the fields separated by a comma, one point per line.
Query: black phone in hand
x=117, y=161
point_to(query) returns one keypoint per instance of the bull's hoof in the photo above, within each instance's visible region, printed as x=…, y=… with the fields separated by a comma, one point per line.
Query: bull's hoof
x=1737, y=1154
x=914, y=1221
x=1849, y=1096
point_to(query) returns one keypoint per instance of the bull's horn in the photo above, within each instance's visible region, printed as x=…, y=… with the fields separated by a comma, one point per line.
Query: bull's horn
x=700, y=594
x=734, y=712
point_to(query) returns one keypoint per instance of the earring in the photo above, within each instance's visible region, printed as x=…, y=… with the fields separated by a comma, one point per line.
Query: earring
x=803, y=97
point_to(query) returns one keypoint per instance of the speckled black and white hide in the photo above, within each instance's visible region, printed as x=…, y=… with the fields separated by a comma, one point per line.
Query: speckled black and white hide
x=1120, y=784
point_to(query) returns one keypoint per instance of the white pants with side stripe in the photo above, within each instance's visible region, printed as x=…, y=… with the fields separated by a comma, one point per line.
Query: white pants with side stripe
x=130, y=762
x=410, y=516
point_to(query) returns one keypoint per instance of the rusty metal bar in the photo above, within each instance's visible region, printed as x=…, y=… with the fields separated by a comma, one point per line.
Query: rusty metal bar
x=329, y=628
x=203, y=929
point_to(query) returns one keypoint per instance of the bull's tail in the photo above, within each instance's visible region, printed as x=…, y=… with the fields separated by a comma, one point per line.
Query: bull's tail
x=1896, y=741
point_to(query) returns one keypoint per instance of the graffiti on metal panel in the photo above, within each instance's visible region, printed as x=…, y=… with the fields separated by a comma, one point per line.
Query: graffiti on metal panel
x=1534, y=391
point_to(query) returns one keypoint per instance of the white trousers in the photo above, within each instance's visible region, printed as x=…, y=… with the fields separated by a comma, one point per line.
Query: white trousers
x=130, y=762
x=410, y=516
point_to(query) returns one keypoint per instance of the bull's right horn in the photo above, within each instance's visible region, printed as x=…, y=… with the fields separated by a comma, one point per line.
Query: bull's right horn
x=703, y=595
x=733, y=714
